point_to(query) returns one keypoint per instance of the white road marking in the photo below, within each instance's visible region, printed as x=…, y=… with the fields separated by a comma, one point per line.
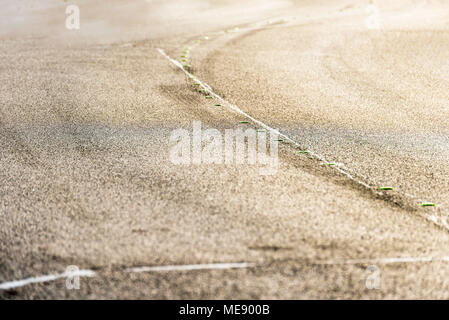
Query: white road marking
x=190, y=267
x=212, y=266
x=47, y=278
x=387, y=260
x=90, y=273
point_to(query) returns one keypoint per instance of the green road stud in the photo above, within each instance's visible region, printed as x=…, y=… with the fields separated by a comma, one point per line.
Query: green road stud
x=427, y=204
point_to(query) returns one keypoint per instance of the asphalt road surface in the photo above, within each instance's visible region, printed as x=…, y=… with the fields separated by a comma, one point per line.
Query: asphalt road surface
x=86, y=177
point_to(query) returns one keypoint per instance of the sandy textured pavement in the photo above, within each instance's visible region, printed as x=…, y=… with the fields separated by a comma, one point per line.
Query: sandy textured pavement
x=86, y=179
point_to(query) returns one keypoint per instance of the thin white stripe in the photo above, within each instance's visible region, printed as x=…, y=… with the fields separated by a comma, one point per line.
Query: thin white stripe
x=190, y=267
x=51, y=277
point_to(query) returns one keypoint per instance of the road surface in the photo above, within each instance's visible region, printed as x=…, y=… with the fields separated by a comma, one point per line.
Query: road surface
x=86, y=178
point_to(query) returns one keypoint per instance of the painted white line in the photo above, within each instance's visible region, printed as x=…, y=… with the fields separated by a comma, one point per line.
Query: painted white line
x=91, y=273
x=386, y=260
x=190, y=267
x=211, y=266
x=341, y=168
x=260, y=123
x=47, y=278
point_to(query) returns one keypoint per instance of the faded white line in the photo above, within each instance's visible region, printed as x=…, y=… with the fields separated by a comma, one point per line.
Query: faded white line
x=90, y=273
x=386, y=260
x=47, y=278
x=190, y=267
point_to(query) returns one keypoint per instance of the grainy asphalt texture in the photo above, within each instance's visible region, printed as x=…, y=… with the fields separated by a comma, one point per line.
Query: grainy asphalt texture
x=85, y=123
